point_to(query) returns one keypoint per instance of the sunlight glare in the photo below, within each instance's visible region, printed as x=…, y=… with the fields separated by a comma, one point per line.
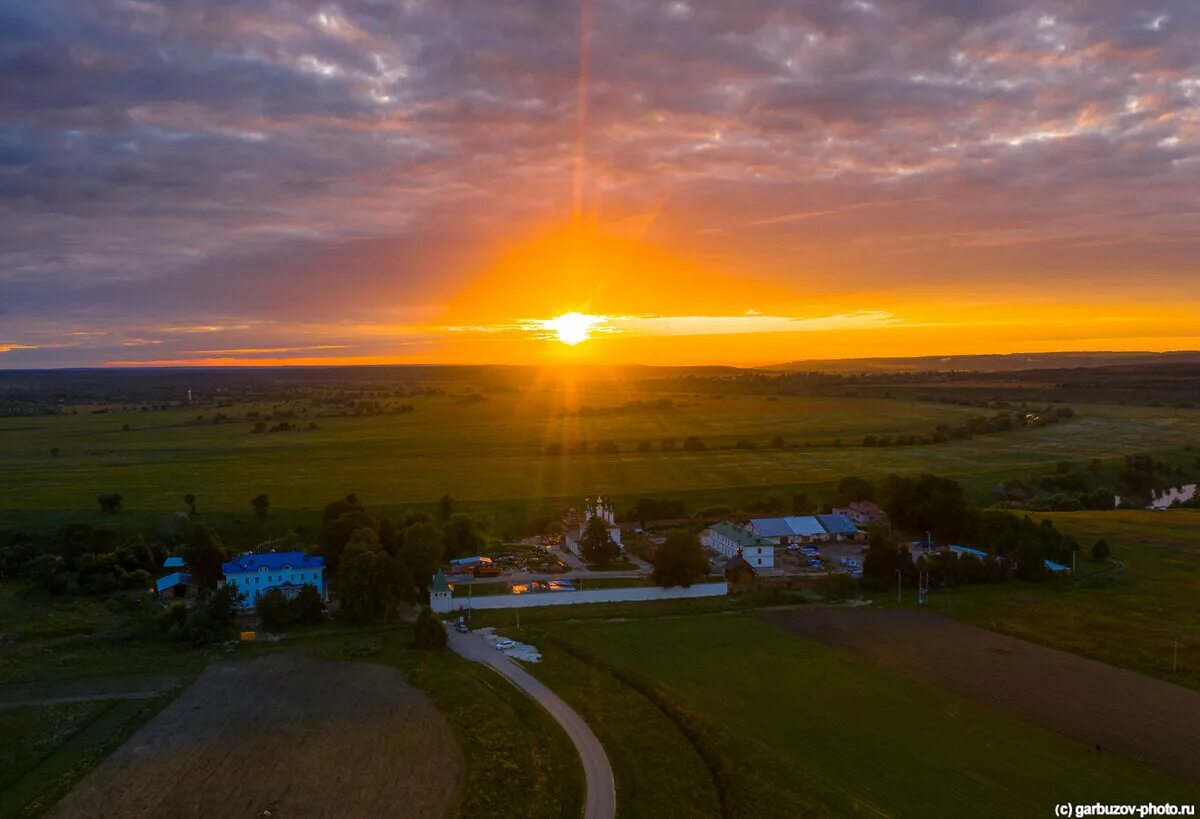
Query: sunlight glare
x=572, y=328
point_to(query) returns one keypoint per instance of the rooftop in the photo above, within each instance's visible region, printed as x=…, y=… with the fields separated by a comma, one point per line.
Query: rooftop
x=739, y=535
x=272, y=562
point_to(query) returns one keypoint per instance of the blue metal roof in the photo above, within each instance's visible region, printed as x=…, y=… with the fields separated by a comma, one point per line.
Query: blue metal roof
x=967, y=550
x=791, y=526
x=838, y=524
x=171, y=580
x=771, y=527
x=272, y=562
x=1056, y=567
x=806, y=525
x=173, y=562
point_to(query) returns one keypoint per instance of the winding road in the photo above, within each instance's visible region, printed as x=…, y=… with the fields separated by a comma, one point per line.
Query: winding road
x=601, y=799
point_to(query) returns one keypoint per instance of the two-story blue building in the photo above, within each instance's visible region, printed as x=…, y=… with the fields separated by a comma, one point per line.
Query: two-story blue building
x=256, y=574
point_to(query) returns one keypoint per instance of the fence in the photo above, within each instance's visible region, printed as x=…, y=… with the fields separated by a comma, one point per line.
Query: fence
x=569, y=598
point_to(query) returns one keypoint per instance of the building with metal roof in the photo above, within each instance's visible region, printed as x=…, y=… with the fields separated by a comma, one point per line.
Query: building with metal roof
x=840, y=526
x=173, y=562
x=255, y=574
x=177, y=585
x=731, y=541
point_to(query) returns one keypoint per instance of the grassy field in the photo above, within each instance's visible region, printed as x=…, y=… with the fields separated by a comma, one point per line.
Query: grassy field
x=803, y=729
x=71, y=646
x=657, y=772
x=1145, y=617
x=493, y=451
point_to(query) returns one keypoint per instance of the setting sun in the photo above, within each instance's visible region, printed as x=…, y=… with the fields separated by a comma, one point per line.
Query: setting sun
x=572, y=328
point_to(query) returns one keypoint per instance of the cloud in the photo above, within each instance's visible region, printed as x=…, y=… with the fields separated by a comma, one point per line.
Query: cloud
x=261, y=165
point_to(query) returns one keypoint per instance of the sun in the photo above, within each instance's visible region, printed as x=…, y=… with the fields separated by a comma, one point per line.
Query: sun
x=572, y=328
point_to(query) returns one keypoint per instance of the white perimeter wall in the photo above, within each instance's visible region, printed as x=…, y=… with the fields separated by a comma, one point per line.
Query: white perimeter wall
x=567, y=598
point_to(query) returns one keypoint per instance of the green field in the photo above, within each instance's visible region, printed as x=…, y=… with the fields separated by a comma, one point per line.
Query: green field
x=1145, y=617
x=801, y=729
x=493, y=452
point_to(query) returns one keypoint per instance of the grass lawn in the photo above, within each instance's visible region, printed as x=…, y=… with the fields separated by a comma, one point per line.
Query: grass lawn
x=1130, y=618
x=804, y=729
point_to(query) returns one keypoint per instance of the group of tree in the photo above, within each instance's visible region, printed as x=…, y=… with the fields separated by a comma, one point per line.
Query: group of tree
x=691, y=443
x=95, y=558
x=381, y=563
x=981, y=425
x=679, y=561
x=210, y=620
x=276, y=611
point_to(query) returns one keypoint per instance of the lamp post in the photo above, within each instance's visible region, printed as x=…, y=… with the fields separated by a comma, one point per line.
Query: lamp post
x=928, y=541
x=899, y=584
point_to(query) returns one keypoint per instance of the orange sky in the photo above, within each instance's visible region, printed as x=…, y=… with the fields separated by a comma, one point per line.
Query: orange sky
x=714, y=182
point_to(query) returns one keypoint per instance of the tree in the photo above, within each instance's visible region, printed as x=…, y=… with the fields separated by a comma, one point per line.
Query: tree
x=853, y=488
x=460, y=537
x=429, y=633
x=679, y=561
x=422, y=552
x=371, y=583
x=692, y=443
x=110, y=502
x=261, y=504
x=445, y=507
x=595, y=544
x=308, y=606
x=190, y=500
x=777, y=442
x=54, y=451
x=203, y=555
x=274, y=610
x=1100, y=550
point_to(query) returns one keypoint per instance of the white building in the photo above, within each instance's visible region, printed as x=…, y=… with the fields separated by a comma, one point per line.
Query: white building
x=599, y=508
x=440, y=594
x=256, y=574
x=729, y=540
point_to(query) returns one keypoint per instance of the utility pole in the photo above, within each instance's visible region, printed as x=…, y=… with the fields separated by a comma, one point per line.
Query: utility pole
x=1175, y=658
x=899, y=584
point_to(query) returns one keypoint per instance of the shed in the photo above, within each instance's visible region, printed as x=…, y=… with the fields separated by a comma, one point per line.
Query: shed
x=738, y=573
x=176, y=585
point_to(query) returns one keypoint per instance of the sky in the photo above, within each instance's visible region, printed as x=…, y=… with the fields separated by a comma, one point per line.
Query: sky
x=705, y=182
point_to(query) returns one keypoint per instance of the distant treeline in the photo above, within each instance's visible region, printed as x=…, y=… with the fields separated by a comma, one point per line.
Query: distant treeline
x=982, y=425
x=628, y=407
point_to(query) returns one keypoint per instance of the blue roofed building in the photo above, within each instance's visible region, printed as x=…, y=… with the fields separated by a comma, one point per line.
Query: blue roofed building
x=173, y=562
x=791, y=529
x=1056, y=567
x=256, y=574
x=839, y=526
x=176, y=585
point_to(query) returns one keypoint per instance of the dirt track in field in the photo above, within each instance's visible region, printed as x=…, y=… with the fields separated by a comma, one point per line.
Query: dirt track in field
x=1123, y=712
x=285, y=733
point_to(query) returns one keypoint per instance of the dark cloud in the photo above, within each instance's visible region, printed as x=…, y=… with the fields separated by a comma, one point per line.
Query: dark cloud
x=172, y=158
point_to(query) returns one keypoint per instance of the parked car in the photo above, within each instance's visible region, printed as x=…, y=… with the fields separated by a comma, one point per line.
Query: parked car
x=504, y=645
x=461, y=627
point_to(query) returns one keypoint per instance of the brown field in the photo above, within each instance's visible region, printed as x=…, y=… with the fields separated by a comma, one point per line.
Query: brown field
x=286, y=734
x=1145, y=719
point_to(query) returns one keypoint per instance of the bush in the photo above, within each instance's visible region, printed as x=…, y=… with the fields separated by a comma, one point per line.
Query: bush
x=837, y=586
x=429, y=633
x=274, y=611
x=308, y=607
x=693, y=444
x=1100, y=550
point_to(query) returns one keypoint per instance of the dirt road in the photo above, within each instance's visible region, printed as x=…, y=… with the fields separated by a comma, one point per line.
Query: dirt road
x=284, y=733
x=601, y=799
x=1146, y=719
